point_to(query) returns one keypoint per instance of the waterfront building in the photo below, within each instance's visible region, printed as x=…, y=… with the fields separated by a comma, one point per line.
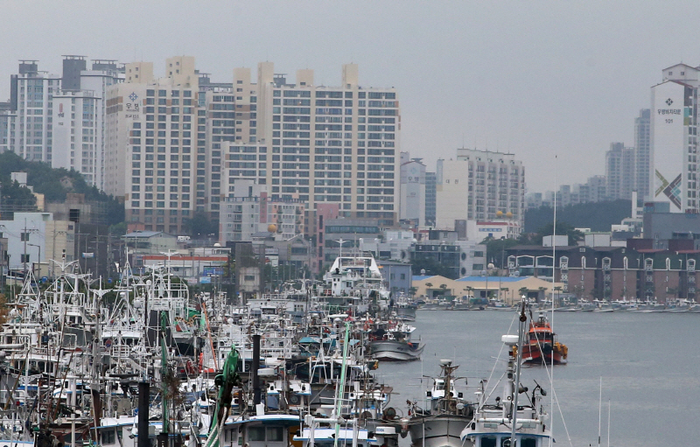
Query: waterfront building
x=343, y=236
x=457, y=257
x=397, y=276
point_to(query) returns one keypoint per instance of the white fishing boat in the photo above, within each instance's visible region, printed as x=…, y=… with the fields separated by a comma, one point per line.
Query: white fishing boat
x=445, y=415
x=515, y=413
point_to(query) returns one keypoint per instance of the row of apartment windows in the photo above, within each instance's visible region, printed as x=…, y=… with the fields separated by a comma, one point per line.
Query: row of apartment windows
x=332, y=94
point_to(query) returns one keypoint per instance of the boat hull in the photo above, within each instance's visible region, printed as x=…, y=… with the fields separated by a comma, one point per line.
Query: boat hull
x=545, y=354
x=438, y=431
x=395, y=350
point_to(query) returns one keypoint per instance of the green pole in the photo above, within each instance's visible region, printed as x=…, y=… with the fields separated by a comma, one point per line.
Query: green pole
x=341, y=385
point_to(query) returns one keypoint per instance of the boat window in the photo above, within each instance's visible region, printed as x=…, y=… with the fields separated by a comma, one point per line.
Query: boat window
x=488, y=441
x=256, y=434
x=527, y=442
x=69, y=340
x=275, y=434
x=108, y=436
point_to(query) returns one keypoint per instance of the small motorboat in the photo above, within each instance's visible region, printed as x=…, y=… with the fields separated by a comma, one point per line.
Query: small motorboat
x=541, y=345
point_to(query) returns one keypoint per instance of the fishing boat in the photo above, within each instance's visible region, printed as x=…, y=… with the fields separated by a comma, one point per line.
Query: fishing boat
x=515, y=413
x=355, y=282
x=541, y=345
x=447, y=413
x=392, y=341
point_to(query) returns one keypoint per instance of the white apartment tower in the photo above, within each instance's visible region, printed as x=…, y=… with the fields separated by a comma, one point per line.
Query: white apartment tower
x=317, y=144
x=30, y=126
x=77, y=141
x=154, y=152
x=673, y=138
x=413, y=180
x=60, y=119
x=480, y=185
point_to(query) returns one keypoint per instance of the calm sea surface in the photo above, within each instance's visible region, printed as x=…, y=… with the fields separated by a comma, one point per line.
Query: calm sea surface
x=649, y=364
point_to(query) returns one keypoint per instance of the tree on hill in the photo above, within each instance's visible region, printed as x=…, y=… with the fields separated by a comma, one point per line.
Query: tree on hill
x=563, y=228
x=55, y=184
x=200, y=227
x=14, y=197
x=596, y=216
x=496, y=248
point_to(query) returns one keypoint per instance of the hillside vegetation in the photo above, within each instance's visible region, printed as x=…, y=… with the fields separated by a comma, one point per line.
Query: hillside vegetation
x=54, y=184
x=596, y=216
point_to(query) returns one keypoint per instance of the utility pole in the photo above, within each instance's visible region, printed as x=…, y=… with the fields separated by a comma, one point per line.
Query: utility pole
x=97, y=252
x=39, y=259
x=25, y=236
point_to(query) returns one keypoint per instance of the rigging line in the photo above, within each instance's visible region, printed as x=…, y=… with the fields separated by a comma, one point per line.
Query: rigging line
x=554, y=397
x=488, y=381
x=554, y=274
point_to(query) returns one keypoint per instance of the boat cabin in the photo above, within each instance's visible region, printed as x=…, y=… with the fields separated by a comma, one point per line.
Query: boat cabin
x=270, y=430
x=503, y=440
x=325, y=437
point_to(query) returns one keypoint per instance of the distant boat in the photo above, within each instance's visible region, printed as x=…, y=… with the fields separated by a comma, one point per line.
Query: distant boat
x=397, y=350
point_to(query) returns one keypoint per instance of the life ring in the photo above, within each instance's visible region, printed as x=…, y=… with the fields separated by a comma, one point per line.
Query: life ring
x=294, y=399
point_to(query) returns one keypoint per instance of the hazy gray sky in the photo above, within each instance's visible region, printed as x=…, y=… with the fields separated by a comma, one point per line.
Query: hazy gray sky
x=535, y=78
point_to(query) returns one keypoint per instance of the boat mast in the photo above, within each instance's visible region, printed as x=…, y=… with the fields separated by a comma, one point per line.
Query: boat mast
x=518, y=362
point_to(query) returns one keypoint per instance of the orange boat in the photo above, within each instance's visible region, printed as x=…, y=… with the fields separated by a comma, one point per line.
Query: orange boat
x=541, y=345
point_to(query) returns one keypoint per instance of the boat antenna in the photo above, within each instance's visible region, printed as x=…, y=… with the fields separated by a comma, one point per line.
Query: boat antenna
x=600, y=408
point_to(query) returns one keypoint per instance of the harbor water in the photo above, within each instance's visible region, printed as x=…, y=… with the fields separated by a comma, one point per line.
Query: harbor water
x=648, y=364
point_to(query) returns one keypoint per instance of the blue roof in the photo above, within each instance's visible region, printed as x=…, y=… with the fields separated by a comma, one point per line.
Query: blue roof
x=492, y=278
x=421, y=278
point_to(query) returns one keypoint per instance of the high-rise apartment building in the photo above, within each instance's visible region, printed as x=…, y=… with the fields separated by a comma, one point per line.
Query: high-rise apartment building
x=315, y=143
x=77, y=121
x=642, y=147
x=28, y=123
x=218, y=103
x=155, y=152
x=60, y=119
x=412, y=189
x=619, y=171
x=673, y=138
x=430, y=198
x=479, y=184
